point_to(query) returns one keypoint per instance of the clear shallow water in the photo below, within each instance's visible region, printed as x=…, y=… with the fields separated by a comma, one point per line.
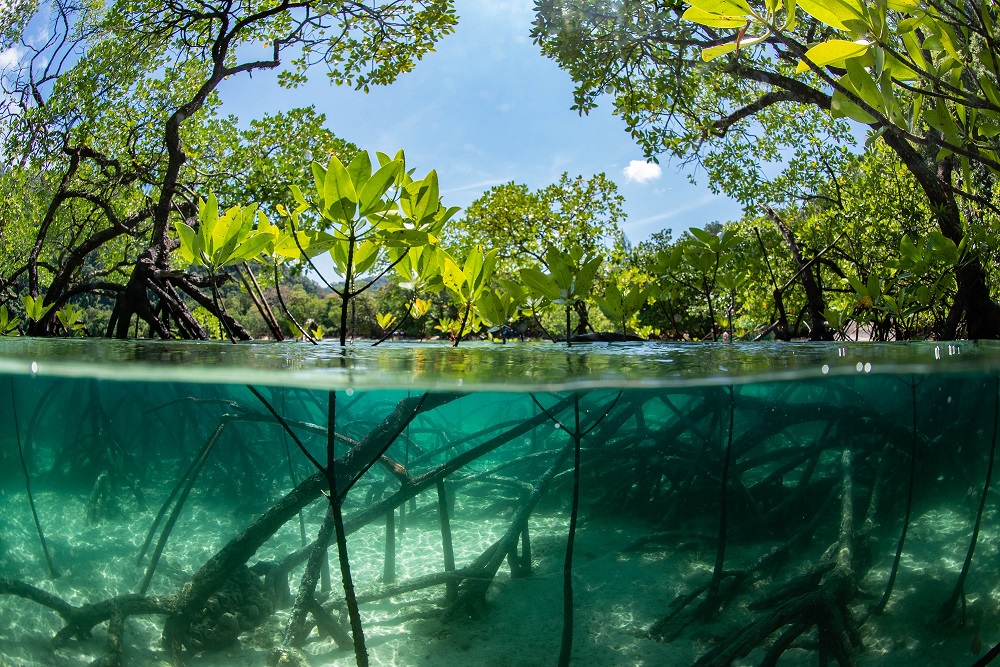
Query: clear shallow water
x=830, y=454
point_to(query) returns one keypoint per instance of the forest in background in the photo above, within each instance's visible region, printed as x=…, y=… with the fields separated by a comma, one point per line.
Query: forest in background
x=133, y=206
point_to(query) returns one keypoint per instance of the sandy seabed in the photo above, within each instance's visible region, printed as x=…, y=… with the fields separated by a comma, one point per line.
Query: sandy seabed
x=618, y=595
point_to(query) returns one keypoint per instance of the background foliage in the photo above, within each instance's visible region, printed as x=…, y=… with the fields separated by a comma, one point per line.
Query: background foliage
x=113, y=132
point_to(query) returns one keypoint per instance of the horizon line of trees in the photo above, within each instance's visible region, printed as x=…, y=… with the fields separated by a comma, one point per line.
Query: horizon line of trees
x=818, y=271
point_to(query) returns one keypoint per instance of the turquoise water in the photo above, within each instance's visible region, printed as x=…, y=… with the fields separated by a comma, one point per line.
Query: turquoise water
x=734, y=505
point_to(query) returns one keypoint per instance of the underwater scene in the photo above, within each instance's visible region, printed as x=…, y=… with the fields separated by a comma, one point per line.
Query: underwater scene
x=609, y=504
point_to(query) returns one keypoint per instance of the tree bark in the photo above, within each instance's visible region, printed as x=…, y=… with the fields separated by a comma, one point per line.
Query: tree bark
x=815, y=303
x=973, y=299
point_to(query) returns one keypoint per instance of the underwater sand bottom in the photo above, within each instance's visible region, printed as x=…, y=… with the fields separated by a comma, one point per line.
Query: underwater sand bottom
x=618, y=595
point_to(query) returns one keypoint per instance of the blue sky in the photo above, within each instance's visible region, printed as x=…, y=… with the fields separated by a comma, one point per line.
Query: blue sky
x=487, y=108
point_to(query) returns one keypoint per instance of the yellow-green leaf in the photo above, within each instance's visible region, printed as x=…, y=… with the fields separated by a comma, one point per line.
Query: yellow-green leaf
x=833, y=52
x=714, y=52
x=365, y=255
x=188, y=239
x=841, y=107
x=722, y=6
x=863, y=85
x=913, y=50
x=832, y=12
x=209, y=211
x=700, y=17
x=251, y=248
x=360, y=170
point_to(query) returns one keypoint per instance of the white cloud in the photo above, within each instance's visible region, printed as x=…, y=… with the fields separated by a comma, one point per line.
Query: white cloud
x=519, y=8
x=641, y=229
x=10, y=57
x=478, y=185
x=638, y=171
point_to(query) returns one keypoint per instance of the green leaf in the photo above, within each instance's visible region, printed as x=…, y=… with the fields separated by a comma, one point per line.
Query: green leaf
x=338, y=253
x=913, y=49
x=949, y=39
x=319, y=178
x=612, y=304
x=923, y=295
x=702, y=236
x=908, y=249
x=610, y=308
x=585, y=277
x=491, y=308
x=8, y=326
x=512, y=288
x=249, y=214
x=360, y=170
x=405, y=238
x=636, y=299
x=727, y=240
x=560, y=268
x=941, y=247
x=339, y=196
x=69, y=316
x=385, y=320
x=34, y=308
x=313, y=242
x=841, y=107
x=478, y=269
x=874, y=286
x=489, y=265
x=858, y=286
x=376, y=186
x=790, y=18
x=473, y=265
x=208, y=217
x=863, y=85
x=297, y=195
x=427, y=197
x=225, y=237
x=540, y=283
x=991, y=91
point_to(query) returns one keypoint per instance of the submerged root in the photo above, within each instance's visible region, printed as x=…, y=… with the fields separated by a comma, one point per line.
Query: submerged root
x=240, y=605
x=822, y=609
x=817, y=599
x=777, y=491
x=287, y=657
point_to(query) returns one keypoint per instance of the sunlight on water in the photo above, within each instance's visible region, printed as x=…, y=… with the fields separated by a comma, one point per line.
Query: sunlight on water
x=480, y=366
